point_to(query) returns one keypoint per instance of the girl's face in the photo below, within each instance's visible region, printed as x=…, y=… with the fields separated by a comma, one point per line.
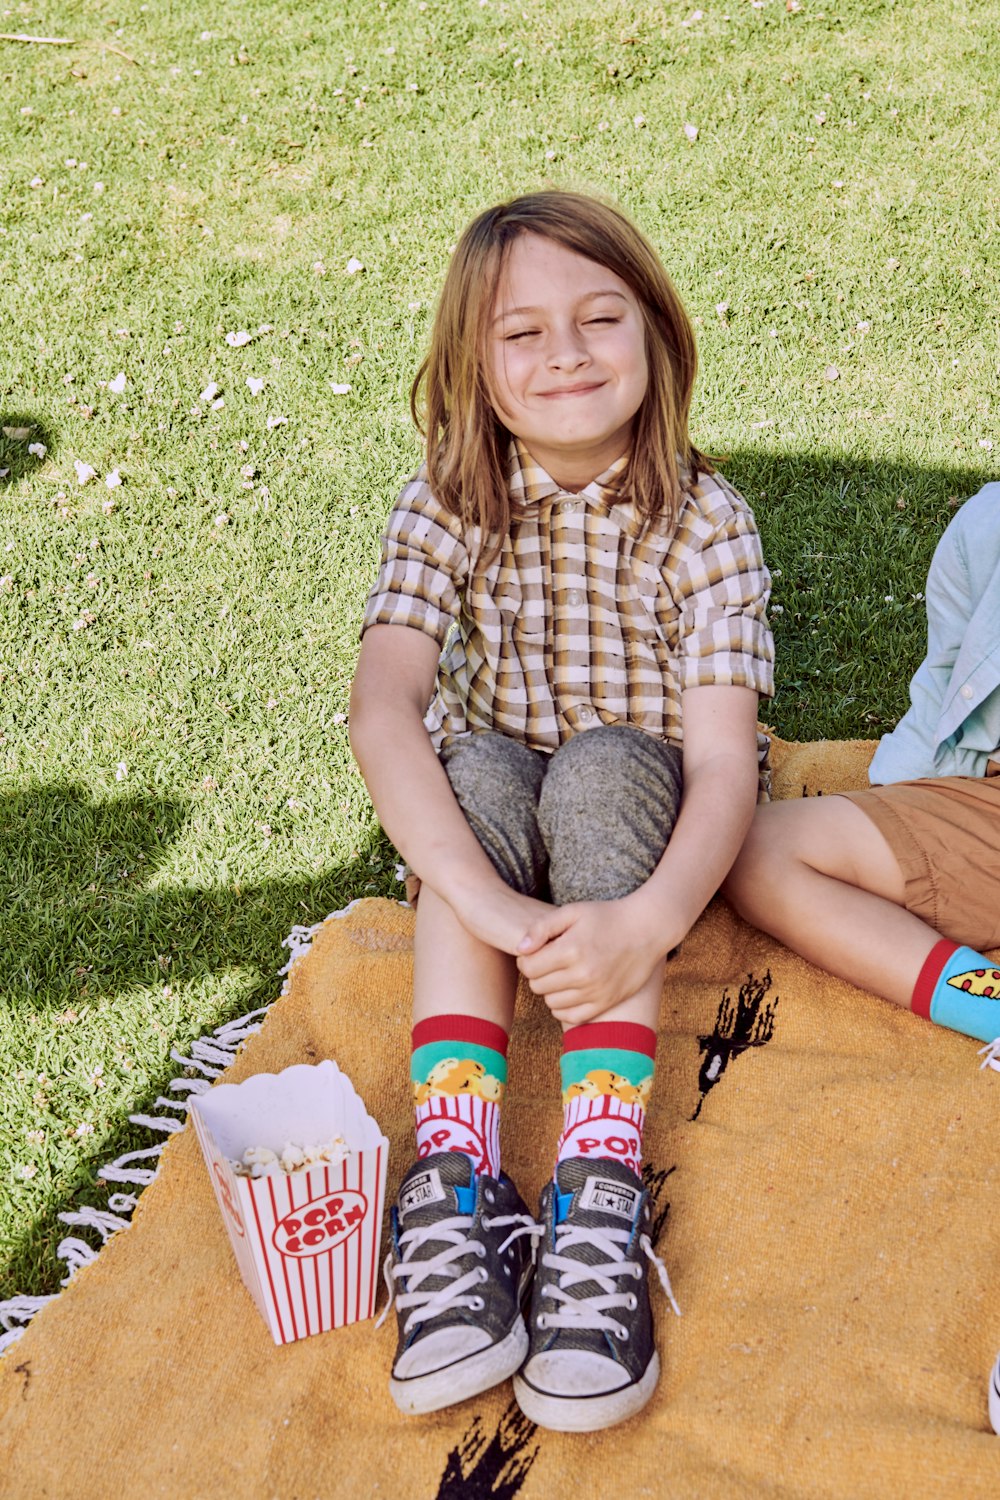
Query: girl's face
x=566, y=359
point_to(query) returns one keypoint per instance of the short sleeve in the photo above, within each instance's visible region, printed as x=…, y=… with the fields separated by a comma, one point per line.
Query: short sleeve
x=722, y=588
x=423, y=568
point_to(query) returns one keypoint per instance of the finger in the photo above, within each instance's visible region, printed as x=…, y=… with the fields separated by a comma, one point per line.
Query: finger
x=559, y=953
x=544, y=929
x=539, y=966
x=557, y=981
x=571, y=1011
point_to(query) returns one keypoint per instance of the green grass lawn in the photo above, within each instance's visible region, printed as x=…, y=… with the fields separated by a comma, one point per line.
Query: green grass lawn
x=176, y=650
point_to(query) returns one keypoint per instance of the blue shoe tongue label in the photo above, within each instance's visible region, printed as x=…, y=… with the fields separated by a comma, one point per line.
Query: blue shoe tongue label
x=610, y=1197
x=423, y=1188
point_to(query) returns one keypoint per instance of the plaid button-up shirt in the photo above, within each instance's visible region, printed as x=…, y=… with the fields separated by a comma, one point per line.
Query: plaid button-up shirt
x=578, y=620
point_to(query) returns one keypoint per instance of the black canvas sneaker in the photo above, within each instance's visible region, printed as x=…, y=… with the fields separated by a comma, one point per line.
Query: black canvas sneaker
x=592, y=1361
x=460, y=1261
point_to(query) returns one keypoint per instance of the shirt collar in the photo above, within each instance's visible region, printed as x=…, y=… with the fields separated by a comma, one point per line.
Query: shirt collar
x=530, y=486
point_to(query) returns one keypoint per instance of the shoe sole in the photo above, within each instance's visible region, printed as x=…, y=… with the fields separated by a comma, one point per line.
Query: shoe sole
x=586, y=1413
x=466, y=1377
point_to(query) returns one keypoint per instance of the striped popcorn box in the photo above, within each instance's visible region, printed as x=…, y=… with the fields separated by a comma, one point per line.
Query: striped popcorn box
x=307, y=1240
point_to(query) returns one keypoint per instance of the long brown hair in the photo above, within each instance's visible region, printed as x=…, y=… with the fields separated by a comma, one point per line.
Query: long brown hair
x=450, y=401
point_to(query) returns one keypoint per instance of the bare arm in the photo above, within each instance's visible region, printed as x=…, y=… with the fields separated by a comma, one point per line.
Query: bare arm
x=412, y=795
x=720, y=794
x=587, y=957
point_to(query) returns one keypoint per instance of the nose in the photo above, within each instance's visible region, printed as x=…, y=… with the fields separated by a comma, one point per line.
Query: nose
x=567, y=348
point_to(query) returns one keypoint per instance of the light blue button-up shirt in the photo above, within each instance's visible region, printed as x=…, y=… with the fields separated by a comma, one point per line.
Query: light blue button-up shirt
x=952, y=727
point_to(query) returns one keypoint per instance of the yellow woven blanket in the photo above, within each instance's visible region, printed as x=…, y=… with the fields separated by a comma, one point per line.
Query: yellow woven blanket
x=825, y=1170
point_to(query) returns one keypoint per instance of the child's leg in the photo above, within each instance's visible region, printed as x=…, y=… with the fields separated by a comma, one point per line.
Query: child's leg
x=607, y=808
x=835, y=878
x=463, y=990
x=460, y=1231
x=818, y=875
x=608, y=805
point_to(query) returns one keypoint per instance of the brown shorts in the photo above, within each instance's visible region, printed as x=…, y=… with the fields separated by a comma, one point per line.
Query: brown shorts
x=945, y=835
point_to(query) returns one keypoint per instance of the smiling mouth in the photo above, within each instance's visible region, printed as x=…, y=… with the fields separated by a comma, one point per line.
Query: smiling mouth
x=572, y=390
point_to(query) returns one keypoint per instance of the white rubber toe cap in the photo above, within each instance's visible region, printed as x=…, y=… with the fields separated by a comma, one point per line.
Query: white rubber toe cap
x=441, y=1347
x=574, y=1372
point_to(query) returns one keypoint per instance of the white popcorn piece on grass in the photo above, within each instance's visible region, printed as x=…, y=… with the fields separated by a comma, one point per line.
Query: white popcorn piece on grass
x=210, y=392
x=277, y=421
x=354, y=266
x=254, y=385
x=117, y=385
x=113, y=480
x=237, y=339
x=84, y=472
x=338, y=389
x=37, y=450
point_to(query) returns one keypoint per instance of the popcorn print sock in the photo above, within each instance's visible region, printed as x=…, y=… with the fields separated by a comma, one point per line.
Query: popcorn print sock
x=960, y=989
x=607, y=1074
x=458, y=1069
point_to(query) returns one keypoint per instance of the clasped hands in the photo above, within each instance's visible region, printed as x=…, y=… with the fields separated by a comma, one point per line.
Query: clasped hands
x=582, y=959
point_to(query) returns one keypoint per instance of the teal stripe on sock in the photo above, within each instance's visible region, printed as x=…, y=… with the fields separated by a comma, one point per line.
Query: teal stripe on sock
x=634, y=1067
x=958, y=1008
x=426, y=1058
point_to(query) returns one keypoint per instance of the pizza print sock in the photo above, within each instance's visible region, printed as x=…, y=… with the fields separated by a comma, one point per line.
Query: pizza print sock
x=960, y=989
x=459, y=1072
x=607, y=1074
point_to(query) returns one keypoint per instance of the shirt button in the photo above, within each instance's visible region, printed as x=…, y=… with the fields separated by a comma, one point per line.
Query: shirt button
x=569, y=505
x=966, y=691
x=585, y=713
x=574, y=598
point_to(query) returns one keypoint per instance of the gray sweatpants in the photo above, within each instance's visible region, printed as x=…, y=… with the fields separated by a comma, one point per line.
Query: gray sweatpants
x=587, y=823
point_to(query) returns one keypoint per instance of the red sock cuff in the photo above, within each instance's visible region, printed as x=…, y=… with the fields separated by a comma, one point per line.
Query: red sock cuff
x=923, y=990
x=627, y=1036
x=456, y=1028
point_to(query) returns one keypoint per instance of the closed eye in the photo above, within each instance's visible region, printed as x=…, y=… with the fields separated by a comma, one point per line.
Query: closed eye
x=522, y=333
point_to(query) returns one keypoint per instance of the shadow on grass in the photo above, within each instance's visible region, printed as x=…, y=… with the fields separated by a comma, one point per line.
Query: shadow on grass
x=80, y=926
x=18, y=433
x=848, y=541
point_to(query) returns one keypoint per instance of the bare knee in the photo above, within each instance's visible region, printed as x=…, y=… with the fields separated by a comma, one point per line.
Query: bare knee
x=766, y=859
x=790, y=842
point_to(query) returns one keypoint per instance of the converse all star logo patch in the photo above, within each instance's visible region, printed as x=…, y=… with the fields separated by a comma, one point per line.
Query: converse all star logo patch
x=610, y=1197
x=420, y=1190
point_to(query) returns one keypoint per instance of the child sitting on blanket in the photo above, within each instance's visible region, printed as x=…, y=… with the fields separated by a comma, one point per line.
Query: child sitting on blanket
x=883, y=887
x=600, y=597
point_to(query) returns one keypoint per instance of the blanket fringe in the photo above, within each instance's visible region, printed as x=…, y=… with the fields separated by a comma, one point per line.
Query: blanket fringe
x=210, y=1056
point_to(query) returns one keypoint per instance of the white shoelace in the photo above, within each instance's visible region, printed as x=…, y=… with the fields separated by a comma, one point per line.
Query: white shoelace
x=991, y=1055
x=592, y=1312
x=453, y=1233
